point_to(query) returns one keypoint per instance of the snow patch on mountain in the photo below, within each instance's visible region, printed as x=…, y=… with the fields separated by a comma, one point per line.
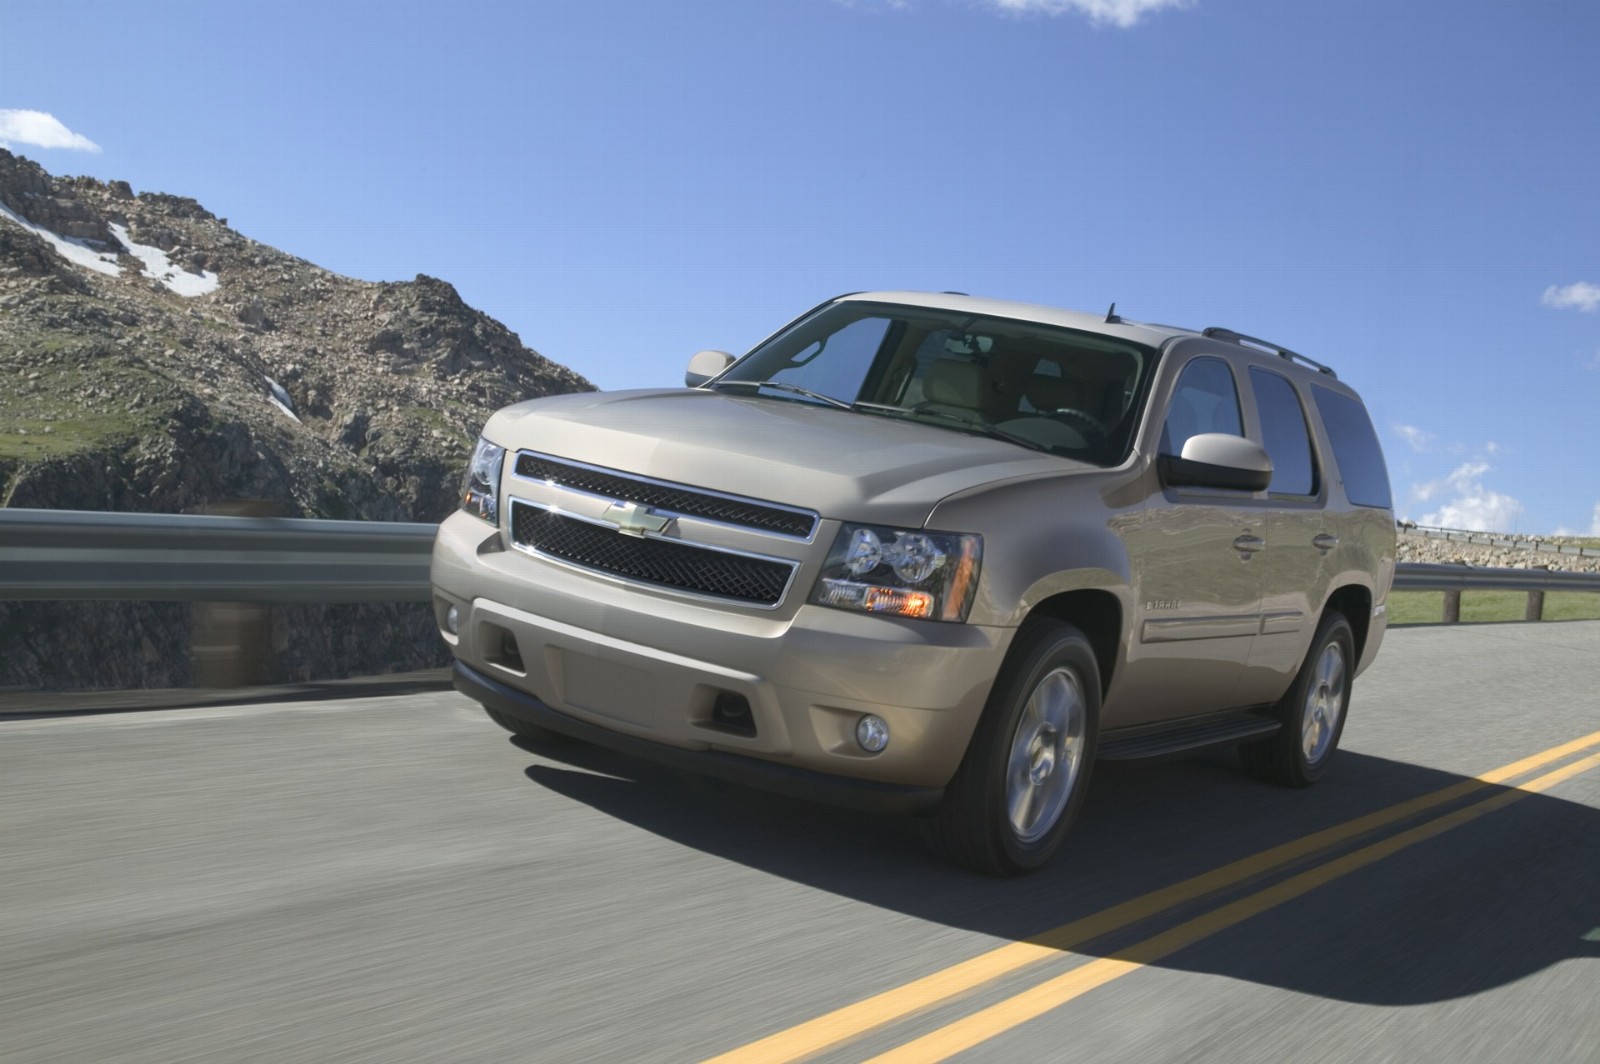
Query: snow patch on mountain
x=77, y=252
x=157, y=265
x=161, y=268
x=280, y=398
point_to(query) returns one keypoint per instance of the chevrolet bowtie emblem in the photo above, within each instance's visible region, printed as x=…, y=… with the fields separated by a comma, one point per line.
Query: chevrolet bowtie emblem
x=632, y=519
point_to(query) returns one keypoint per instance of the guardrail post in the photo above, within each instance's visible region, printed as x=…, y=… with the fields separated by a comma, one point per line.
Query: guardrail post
x=1452, y=606
x=1535, y=606
x=231, y=644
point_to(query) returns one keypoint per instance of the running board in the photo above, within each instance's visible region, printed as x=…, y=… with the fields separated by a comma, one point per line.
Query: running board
x=1162, y=740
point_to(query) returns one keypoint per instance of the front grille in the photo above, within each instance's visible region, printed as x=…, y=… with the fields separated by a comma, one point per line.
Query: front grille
x=680, y=500
x=664, y=563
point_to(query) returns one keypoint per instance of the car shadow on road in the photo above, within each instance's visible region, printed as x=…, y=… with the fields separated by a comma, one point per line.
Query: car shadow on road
x=1480, y=906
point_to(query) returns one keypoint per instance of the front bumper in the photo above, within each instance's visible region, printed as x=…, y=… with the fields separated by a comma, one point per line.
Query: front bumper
x=766, y=775
x=642, y=671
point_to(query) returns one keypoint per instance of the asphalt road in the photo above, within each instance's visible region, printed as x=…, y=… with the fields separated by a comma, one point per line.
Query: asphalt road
x=393, y=879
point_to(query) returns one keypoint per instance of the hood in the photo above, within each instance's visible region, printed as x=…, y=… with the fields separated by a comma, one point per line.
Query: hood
x=844, y=465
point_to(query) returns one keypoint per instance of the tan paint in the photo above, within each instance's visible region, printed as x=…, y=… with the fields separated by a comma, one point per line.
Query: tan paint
x=1206, y=626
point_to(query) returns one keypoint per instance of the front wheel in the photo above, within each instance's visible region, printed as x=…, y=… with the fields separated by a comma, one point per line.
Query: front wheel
x=1312, y=712
x=1026, y=771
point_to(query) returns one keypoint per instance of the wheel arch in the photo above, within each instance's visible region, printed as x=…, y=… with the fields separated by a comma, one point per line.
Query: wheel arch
x=1095, y=612
x=1355, y=602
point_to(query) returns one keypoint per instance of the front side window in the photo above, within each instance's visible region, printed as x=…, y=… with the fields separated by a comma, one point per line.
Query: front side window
x=1284, y=434
x=1064, y=391
x=1205, y=400
x=836, y=364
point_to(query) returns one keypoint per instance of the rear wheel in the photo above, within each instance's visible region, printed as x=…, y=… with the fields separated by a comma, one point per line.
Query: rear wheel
x=1312, y=713
x=1023, y=779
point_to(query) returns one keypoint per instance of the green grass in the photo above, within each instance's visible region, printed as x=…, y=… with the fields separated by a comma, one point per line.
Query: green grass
x=432, y=418
x=66, y=436
x=1482, y=607
x=57, y=401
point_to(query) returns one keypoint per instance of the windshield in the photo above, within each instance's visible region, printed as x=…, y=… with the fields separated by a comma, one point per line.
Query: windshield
x=1060, y=390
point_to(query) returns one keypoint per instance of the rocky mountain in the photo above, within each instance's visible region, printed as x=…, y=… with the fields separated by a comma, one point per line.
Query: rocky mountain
x=153, y=359
x=1415, y=547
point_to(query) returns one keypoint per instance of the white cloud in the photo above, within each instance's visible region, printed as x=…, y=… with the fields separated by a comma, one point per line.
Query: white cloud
x=1123, y=13
x=1418, y=439
x=40, y=130
x=1472, y=506
x=1580, y=294
x=1492, y=447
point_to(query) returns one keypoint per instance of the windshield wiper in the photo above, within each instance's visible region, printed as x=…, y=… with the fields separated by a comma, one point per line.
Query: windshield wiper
x=955, y=420
x=785, y=386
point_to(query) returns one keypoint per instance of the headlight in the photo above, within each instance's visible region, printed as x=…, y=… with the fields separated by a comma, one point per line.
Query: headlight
x=480, y=492
x=908, y=573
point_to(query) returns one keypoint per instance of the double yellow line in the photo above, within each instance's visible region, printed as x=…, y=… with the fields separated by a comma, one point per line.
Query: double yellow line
x=853, y=1021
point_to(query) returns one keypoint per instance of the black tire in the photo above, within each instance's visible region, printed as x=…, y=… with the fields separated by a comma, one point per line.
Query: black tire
x=975, y=826
x=1312, y=712
x=531, y=732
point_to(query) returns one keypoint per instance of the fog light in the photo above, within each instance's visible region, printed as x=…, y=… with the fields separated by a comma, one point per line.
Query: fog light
x=872, y=732
x=452, y=620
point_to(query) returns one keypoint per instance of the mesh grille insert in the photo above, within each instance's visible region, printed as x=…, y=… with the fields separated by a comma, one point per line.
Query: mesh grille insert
x=652, y=561
x=668, y=497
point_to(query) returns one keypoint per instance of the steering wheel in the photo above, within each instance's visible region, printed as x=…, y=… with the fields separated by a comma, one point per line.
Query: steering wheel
x=1082, y=416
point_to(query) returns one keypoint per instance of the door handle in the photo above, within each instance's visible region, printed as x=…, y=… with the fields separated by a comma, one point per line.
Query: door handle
x=1324, y=541
x=1248, y=544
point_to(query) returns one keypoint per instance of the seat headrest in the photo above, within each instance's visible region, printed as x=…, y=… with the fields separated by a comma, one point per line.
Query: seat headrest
x=954, y=382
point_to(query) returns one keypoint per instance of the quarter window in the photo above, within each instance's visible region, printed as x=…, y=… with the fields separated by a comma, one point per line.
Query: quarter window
x=1355, y=448
x=1205, y=400
x=1284, y=434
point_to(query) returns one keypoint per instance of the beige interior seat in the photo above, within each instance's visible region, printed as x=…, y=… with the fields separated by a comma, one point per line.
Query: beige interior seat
x=954, y=386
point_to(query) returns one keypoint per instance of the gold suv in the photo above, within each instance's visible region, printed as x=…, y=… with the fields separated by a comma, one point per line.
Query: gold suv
x=933, y=554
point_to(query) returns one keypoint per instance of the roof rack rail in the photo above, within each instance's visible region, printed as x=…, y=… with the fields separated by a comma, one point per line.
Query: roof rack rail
x=1216, y=332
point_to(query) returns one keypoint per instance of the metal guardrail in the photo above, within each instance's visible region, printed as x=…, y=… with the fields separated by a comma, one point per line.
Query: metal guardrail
x=1454, y=579
x=71, y=554
x=1415, y=576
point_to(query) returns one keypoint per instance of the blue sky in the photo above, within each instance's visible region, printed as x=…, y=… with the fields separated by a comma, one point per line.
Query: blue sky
x=1405, y=189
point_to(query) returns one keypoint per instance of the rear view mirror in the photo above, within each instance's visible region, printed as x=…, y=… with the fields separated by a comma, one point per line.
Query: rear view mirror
x=1217, y=460
x=705, y=365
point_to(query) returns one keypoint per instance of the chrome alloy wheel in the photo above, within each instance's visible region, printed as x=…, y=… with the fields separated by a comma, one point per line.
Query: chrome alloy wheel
x=1046, y=754
x=1324, y=704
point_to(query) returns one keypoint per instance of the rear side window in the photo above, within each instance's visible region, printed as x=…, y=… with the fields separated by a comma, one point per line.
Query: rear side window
x=1205, y=400
x=1355, y=448
x=1283, y=433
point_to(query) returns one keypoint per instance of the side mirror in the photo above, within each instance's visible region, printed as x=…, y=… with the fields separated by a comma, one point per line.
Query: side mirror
x=1217, y=460
x=705, y=365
